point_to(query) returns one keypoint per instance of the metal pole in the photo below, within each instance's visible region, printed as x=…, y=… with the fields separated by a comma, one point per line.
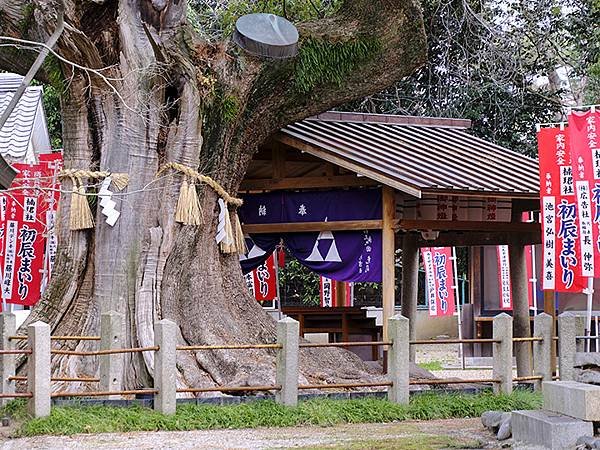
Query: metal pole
x=589, y=292
x=461, y=352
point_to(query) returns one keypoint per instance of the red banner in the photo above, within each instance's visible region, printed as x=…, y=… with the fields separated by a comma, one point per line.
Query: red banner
x=439, y=280
x=585, y=158
x=328, y=293
x=24, y=230
x=562, y=263
x=506, y=300
x=262, y=281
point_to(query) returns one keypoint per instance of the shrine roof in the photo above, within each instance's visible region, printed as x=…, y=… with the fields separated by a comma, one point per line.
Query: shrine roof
x=416, y=155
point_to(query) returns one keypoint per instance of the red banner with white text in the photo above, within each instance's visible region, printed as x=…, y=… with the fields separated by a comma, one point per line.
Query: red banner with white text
x=585, y=158
x=562, y=248
x=439, y=280
x=262, y=281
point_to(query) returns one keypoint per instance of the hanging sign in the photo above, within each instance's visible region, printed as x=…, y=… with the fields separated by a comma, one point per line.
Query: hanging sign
x=439, y=280
x=262, y=281
x=506, y=300
x=562, y=248
x=585, y=158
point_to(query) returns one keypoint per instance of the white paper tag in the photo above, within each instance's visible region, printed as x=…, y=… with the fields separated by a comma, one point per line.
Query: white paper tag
x=112, y=217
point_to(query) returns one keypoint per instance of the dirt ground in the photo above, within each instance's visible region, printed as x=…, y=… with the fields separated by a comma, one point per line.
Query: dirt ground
x=411, y=435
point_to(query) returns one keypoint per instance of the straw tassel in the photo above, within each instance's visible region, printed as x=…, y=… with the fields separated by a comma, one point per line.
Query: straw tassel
x=119, y=180
x=188, y=210
x=240, y=242
x=81, y=215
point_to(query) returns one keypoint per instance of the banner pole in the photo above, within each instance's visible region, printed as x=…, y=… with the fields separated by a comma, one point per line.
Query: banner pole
x=461, y=353
x=588, y=323
x=276, y=258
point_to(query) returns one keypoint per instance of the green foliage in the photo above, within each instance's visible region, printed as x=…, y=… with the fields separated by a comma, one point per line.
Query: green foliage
x=321, y=412
x=230, y=107
x=27, y=18
x=299, y=283
x=217, y=19
x=322, y=62
x=51, y=100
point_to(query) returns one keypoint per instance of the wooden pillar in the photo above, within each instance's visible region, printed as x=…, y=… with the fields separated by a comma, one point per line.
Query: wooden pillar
x=550, y=309
x=410, y=285
x=522, y=328
x=388, y=278
x=340, y=294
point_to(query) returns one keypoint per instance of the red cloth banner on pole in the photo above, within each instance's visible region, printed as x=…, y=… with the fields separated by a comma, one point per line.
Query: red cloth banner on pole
x=562, y=247
x=585, y=157
x=328, y=292
x=439, y=280
x=506, y=300
x=262, y=281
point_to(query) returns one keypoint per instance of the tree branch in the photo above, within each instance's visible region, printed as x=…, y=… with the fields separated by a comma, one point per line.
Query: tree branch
x=366, y=47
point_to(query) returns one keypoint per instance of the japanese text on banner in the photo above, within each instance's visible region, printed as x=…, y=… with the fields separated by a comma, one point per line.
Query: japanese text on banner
x=585, y=159
x=439, y=280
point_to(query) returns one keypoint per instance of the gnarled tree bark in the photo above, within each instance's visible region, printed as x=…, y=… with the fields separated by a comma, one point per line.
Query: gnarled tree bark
x=207, y=105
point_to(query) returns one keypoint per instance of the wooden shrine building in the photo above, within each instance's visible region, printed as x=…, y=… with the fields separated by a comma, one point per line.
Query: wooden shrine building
x=441, y=186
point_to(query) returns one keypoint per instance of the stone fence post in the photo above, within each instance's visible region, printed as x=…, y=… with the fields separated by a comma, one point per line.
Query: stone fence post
x=165, y=366
x=38, y=369
x=288, y=335
x=111, y=366
x=503, y=353
x=8, y=327
x=542, y=350
x=569, y=326
x=398, y=356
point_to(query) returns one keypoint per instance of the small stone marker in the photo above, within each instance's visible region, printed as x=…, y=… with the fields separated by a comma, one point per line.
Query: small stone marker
x=572, y=398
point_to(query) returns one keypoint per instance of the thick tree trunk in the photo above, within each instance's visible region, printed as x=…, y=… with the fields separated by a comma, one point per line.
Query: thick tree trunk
x=167, y=105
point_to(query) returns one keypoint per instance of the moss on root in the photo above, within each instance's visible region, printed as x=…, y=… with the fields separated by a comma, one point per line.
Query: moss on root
x=323, y=62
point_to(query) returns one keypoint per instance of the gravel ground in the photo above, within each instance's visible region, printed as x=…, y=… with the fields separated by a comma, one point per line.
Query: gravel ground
x=461, y=431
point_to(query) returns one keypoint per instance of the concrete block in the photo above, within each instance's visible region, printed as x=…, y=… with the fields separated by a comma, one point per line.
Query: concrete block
x=288, y=335
x=398, y=359
x=39, y=369
x=165, y=367
x=502, y=330
x=8, y=327
x=572, y=398
x=111, y=366
x=548, y=429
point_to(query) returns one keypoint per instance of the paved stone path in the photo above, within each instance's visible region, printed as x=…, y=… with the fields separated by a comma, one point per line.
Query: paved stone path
x=460, y=431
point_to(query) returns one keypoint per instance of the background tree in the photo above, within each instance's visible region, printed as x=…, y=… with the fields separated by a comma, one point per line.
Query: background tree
x=163, y=90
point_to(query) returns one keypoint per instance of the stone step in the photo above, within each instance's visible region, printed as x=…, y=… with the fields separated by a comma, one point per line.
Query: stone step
x=579, y=400
x=548, y=429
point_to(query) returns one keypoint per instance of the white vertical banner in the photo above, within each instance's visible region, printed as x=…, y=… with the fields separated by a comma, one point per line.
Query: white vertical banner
x=430, y=284
x=504, y=277
x=549, y=227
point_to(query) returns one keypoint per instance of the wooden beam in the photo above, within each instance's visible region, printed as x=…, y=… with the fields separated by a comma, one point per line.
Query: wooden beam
x=269, y=184
x=295, y=227
x=349, y=165
x=278, y=156
x=477, y=238
x=388, y=280
x=450, y=225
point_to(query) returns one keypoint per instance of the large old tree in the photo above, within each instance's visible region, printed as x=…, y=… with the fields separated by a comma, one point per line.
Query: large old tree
x=168, y=94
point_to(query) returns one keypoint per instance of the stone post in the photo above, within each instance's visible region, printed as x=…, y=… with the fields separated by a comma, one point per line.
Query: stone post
x=165, y=367
x=569, y=325
x=503, y=353
x=8, y=327
x=38, y=369
x=111, y=366
x=542, y=350
x=288, y=335
x=398, y=359
x=410, y=284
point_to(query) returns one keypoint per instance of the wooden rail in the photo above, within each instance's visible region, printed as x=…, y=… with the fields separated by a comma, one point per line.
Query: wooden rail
x=103, y=393
x=17, y=395
x=528, y=339
x=528, y=378
x=230, y=389
x=113, y=351
x=15, y=352
x=469, y=381
x=343, y=385
x=59, y=338
x=74, y=379
x=226, y=347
